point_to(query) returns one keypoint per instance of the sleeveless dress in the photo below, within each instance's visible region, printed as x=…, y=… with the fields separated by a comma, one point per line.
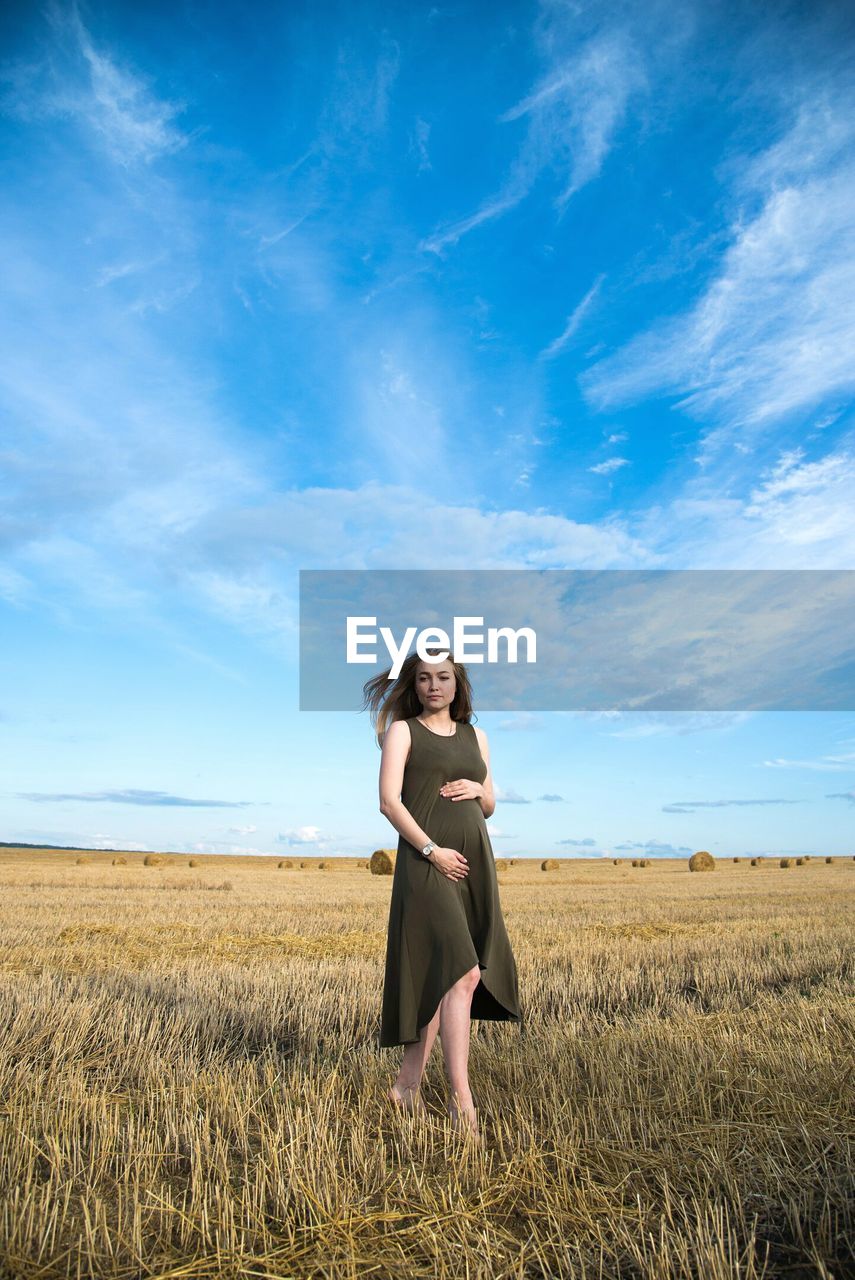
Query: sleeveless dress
x=439, y=929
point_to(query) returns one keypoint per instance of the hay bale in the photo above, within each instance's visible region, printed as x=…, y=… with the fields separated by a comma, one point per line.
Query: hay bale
x=785, y=862
x=702, y=861
x=829, y=860
x=755, y=862
x=286, y=863
x=195, y=862
x=80, y=861
x=302, y=865
x=635, y=862
x=615, y=862
x=800, y=862
x=322, y=866
x=382, y=862
x=549, y=864
x=120, y=862
x=737, y=859
x=501, y=864
x=154, y=860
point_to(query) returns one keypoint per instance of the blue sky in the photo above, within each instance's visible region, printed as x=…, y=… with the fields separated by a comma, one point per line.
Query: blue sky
x=397, y=286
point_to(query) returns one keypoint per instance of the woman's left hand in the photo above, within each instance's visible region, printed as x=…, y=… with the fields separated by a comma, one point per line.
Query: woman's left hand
x=462, y=789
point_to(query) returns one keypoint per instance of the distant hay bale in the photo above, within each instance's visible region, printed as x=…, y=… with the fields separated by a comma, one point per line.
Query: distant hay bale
x=737, y=859
x=382, y=862
x=635, y=862
x=120, y=862
x=194, y=862
x=702, y=861
x=154, y=860
x=807, y=857
x=785, y=862
x=829, y=860
x=549, y=864
x=302, y=865
x=512, y=862
x=800, y=862
x=286, y=863
x=322, y=866
x=616, y=862
x=80, y=861
x=755, y=862
x=501, y=864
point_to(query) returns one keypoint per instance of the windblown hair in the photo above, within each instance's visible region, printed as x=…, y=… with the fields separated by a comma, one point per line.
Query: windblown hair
x=397, y=700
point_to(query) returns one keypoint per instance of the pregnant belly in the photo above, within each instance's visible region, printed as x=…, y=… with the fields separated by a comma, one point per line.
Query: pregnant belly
x=454, y=822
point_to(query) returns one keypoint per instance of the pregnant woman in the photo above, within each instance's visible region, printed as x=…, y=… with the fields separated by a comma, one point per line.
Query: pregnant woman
x=448, y=957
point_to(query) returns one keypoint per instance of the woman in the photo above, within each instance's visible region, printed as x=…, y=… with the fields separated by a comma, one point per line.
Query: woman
x=448, y=957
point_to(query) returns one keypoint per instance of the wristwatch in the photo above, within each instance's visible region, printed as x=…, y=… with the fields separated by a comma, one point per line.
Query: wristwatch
x=426, y=850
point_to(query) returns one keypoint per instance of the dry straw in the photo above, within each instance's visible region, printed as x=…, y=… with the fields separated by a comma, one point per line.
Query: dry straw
x=549, y=864
x=785, y=862
x=382, y=862
x=120, y=862
x=702, y=861
x=154, y=860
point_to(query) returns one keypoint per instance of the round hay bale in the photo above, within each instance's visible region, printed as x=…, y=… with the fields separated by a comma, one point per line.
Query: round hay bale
x=302, y=865
x=615, y=862
x=800, y=862
x=154, y=860
x=501, y=864
x=120, y=862
x=755, y=862
x=80, y=861
x=807, y=857
x=382, y=862
x=635, y=862
x=549, y=864
x=322, y=866
x=512, y=862
x=737, y=859
x=829, y=860
x=785, y=862
x=287, y=863
x=195, y=862
x=702, y=861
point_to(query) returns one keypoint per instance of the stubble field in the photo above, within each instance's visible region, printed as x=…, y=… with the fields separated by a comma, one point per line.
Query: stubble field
x=190, y=1084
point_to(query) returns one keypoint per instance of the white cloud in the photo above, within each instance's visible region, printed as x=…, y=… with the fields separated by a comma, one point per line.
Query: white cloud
x=571, y=116
x=772, y=333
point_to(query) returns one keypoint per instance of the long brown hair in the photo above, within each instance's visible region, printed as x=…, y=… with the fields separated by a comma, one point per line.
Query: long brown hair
x=397, y=699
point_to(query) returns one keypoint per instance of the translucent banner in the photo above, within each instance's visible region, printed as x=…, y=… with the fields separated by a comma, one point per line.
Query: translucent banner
x=589, y=640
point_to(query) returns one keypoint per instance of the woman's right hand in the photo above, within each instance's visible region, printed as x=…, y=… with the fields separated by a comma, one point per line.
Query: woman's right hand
x=452, y=864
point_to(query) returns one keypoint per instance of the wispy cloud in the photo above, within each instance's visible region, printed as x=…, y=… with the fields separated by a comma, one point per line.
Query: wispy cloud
x=691, y=806
x=572, y=115
x=842, y=795
x=118, y=108
x=772, y=332
x=843, y=763
x=507, y=795
x=131, y=796
x=611, y=464
x=573, y=322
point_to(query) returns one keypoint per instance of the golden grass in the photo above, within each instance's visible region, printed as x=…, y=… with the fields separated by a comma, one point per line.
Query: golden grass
x=191, y=1085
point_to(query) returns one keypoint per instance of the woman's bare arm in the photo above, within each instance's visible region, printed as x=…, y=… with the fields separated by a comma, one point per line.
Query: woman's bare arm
x=487, y=799
x=396, y=748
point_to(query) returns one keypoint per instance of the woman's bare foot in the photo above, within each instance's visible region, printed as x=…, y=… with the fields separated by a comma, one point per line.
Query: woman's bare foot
x=407, y=1099
x=464, y=1119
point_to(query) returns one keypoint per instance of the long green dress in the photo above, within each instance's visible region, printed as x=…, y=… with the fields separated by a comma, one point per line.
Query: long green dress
x=439, y=929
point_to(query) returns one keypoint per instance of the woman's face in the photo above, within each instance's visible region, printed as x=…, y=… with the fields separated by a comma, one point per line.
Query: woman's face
x=435, y=685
